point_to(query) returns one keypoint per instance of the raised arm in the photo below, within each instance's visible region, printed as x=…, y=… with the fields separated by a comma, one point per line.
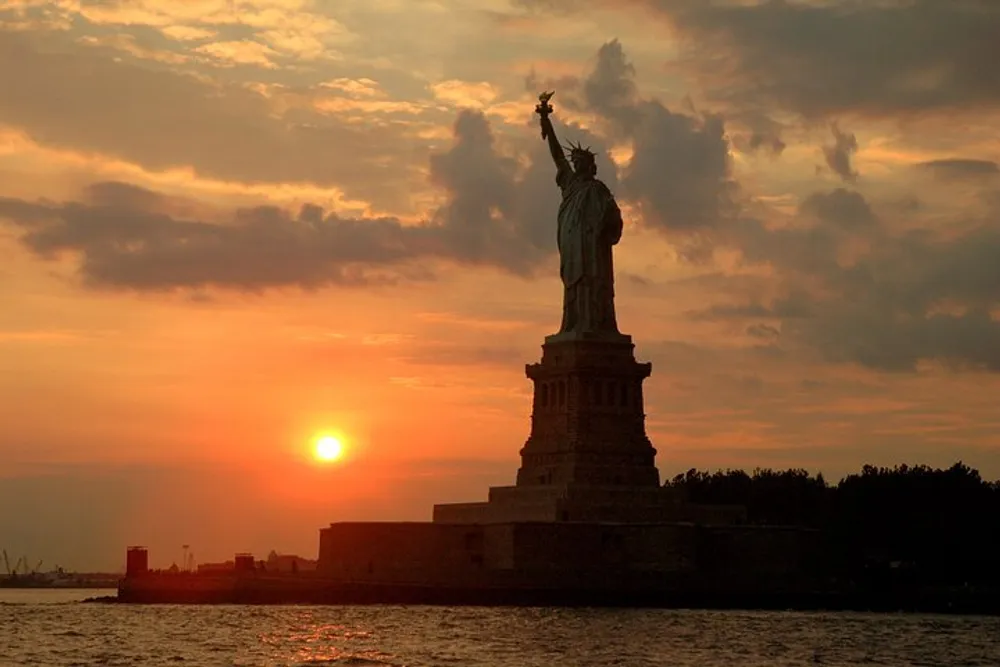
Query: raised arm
x=554, y=148
x=548, y=132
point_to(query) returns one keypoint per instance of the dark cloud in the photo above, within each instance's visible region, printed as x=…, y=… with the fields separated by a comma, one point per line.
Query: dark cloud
x=729, y=311
x=130, y=237
x=841, y=208
x=480, y=184
x=125, y=246
x=807, y=249
x=771, y=142
x=957, y=168
x=825, y=58
x=856, y=290
x=566, y=86
x=495, y=213
x=865, y=335
x=763, y=331
x=920, y=270
x=826, y=222
x=610, y=89
x=680, y=172
x=838, y=154
x=762, y=133
x=551, y=6
x=795, y=305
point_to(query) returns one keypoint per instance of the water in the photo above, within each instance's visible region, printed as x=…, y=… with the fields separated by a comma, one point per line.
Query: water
x=51, y=628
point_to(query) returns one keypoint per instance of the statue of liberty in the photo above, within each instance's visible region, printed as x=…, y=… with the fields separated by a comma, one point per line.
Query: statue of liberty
x=590, y=223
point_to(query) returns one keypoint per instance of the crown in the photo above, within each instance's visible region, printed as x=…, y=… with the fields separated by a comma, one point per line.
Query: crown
x=578, y=149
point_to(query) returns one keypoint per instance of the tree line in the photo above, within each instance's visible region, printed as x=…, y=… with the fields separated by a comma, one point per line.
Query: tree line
x=941, y=526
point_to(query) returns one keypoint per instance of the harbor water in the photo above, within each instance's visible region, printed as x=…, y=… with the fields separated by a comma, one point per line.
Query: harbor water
x=53, y=628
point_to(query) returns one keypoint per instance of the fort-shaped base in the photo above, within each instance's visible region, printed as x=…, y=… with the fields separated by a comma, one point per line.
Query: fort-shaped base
x=560, y=503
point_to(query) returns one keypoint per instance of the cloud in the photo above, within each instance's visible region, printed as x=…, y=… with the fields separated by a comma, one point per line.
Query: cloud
x=291, y=28
x=825, y=58
x=134, y=238
x=838, y=155
x=162, y=120
x=128, y=44
x=33, y=15
x=187, y=33
x=241, y=52
x=610, y=89
x=680, y=171
x=497, y=209
x=840, y=208
x=566, y=85
x=472, y=94
x=959, y=168
x=481, y=215
x=857, y=288
x=763, y=331
x=793, y=306
x=863, y=335
x=358, y=88
x=126, y=240
x=764, y=133
x=841, y=279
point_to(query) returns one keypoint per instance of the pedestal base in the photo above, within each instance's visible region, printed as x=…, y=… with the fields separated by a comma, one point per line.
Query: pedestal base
x=587, y=423
x=586, y=336
x=588, y=457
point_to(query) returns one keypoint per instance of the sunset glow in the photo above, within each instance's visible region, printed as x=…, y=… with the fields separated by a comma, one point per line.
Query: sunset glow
x=329, y=448
x=295, y=255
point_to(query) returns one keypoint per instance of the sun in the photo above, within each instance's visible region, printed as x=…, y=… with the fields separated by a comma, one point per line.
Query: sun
x=328, y=448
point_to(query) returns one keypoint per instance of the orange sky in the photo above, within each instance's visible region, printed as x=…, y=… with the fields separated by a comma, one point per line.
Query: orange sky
x=229, y=225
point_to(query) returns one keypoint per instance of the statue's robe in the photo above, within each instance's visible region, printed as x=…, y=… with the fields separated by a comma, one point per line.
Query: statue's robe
x=590, y=223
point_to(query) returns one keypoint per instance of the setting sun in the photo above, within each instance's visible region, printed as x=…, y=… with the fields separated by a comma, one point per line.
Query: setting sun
x=329, y=448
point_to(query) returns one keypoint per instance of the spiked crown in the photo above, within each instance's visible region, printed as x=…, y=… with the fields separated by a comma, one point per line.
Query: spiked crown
x=578, y=149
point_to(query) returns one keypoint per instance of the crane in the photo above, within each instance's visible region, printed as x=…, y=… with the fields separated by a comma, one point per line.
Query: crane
x=6, y=562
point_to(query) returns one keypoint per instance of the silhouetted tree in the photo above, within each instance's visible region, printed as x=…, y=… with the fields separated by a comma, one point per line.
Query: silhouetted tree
x=941, y=526
x=791, y=497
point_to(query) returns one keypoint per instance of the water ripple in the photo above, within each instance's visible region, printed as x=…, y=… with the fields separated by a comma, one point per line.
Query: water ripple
x=39, y=633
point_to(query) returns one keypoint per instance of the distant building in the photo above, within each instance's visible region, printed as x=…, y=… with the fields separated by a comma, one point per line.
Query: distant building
x=215, y=568
x=288, y=563
x=136, y=561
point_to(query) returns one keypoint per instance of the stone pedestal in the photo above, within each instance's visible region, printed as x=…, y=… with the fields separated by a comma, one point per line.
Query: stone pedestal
x=587, y=457
x=587, y=423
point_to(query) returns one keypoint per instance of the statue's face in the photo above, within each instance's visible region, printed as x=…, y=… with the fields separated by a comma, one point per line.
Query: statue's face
x=583, y=164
